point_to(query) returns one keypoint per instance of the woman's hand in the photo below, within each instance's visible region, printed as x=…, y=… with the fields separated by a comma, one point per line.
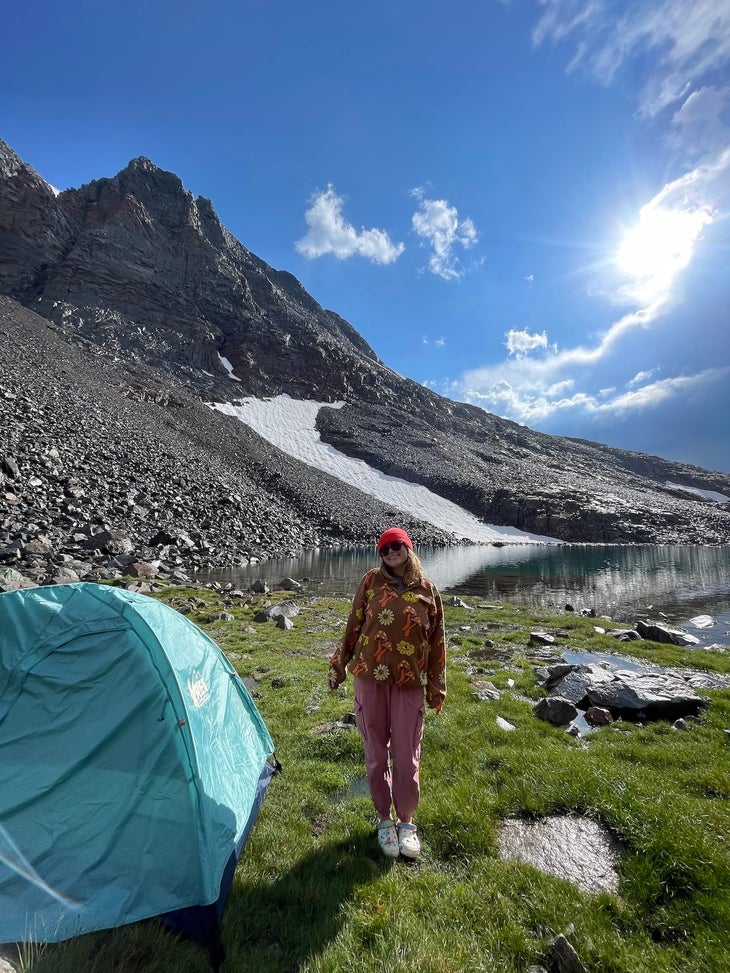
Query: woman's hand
x=335, y=677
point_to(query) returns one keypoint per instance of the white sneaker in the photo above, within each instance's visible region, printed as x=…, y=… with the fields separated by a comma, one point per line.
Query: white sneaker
x=388, y=838
x=408, y=843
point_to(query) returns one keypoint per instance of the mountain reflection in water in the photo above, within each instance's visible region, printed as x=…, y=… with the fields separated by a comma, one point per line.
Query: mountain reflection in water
x=677, y=582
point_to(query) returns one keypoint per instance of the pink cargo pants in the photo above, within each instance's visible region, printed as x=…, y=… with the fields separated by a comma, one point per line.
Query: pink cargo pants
x=391, y=718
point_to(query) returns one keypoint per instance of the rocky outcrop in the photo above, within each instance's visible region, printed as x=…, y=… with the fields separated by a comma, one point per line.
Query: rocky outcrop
x=646, y=694
x=154, y=293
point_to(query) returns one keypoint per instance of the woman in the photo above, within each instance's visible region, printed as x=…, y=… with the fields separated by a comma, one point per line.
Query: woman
x=394, y=646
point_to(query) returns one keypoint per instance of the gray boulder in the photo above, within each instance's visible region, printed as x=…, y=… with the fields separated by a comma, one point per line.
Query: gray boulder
x=554, y=710
x=656, y=632
x=11, y=580
x=655, y=694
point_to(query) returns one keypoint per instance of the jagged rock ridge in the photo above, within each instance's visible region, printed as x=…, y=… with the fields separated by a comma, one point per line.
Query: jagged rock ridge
x=135, y=268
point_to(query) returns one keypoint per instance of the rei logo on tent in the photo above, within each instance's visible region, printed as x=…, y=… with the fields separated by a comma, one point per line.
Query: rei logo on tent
x=198, y=688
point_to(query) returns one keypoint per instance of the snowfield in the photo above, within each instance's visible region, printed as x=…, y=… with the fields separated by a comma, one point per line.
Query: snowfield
x=289, y=424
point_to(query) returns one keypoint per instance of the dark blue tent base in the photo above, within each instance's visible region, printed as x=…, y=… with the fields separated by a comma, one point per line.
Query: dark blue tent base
x=202, y=922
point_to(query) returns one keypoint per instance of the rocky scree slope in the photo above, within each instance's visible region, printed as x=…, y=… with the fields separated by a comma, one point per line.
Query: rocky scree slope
x=107, y=469
x=138, y=267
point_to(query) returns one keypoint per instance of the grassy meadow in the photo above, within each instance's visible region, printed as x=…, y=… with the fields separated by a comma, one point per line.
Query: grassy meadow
x=312, y=893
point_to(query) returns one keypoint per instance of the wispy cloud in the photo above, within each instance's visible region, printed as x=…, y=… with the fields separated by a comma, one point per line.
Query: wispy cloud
x=437, y=223
x=329, y=232
x=655, y=393
x=540, y=402
x=686, y=41
x=640, y=377
x=698, y=127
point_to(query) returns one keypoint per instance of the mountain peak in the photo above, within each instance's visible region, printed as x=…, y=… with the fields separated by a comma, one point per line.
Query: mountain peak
x=138, y=270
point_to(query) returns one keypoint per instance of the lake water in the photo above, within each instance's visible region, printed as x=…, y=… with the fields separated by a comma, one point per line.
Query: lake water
x=676, y=583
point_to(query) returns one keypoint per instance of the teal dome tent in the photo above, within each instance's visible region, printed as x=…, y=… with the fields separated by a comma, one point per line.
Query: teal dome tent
x=132, y=765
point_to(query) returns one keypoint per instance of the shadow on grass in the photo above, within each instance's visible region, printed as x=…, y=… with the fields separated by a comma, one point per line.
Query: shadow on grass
x=277, y=927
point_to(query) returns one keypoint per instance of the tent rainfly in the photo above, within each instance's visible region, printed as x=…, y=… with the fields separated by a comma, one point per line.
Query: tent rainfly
x=133, y=763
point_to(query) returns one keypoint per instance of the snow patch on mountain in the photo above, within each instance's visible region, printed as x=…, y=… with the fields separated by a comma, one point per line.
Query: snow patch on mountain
x=290, y=425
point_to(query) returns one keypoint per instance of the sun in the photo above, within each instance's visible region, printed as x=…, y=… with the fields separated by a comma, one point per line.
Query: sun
x=662, y=243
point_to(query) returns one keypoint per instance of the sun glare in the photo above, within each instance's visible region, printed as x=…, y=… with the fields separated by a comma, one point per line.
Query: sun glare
x=662, y=243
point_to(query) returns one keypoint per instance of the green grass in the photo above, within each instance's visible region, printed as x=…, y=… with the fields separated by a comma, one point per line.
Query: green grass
x=312, y=893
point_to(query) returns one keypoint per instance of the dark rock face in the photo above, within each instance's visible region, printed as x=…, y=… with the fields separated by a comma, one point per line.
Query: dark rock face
x=137, y=265
x=134, y=270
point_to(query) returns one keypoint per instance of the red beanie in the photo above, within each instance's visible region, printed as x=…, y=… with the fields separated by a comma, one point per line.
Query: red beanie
x=394, y=534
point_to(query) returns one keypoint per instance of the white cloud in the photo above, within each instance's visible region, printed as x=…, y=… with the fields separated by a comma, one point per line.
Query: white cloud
x=687, y=41
x=698, y=126
x=438, y=224
x=519, y=343
x=640, y=377
x=330, y=233
x=652, y=395
x=533, y=403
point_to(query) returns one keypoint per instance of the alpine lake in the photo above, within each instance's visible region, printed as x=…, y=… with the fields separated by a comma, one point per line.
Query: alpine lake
x=672, y=584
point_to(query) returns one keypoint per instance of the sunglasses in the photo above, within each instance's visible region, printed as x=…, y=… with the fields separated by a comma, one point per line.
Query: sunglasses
x=393, y=546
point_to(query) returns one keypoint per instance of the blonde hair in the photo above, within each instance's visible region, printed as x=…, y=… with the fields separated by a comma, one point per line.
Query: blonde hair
x=413, y=573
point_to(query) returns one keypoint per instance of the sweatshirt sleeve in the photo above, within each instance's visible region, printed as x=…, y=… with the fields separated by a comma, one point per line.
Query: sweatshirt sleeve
x=436, y=669
x=344, y=651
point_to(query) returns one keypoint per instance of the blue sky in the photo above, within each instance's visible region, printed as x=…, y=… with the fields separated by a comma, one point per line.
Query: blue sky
x=521, y=204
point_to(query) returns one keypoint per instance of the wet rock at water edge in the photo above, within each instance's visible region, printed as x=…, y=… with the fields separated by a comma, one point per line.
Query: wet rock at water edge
x=596, y=716
x=554, y=710
x=289, y=584
x=655, y=632
x=650, y=695
x=702, y=621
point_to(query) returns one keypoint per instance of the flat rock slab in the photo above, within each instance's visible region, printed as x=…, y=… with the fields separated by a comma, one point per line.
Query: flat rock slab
x=576, y=849
x=655, y=694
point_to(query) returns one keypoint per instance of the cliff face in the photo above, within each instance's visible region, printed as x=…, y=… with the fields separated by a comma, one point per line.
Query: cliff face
x=134, y=269
x=138, y=265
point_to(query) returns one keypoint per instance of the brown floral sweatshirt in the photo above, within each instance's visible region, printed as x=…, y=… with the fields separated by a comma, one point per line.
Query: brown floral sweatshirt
x=395, y=637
